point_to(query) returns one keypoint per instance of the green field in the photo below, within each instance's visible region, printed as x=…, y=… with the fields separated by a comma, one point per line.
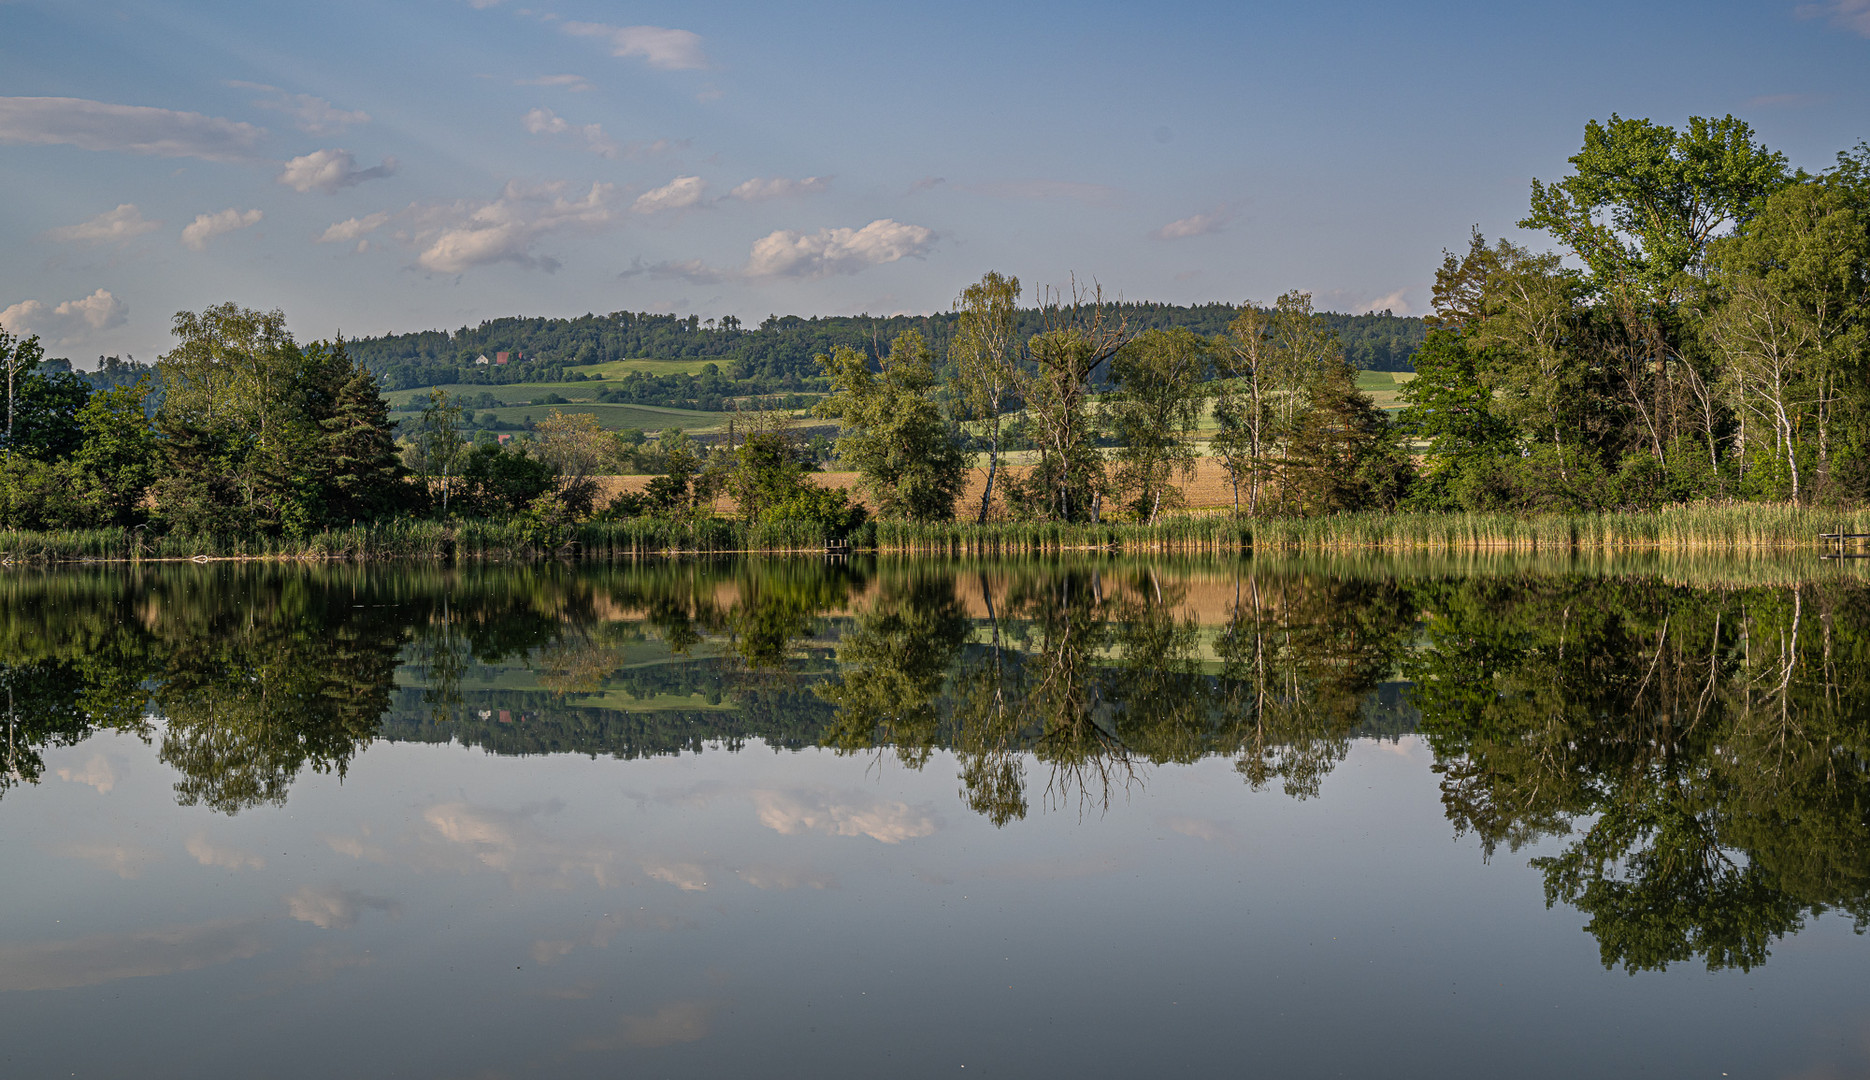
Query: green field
x=512, y=394
x=1382, y=386
x=521, y=393
x=617, y=369
x=649, y=418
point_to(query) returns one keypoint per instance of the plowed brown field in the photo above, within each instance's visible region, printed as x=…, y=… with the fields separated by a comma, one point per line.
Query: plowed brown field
x=1208, y=489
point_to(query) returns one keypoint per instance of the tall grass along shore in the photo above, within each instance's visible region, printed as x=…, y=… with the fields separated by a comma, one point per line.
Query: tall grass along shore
x=1739, y=527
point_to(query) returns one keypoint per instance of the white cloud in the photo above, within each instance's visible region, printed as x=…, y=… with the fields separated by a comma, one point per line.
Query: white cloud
x=659, y=47
x=658, y=146
x=123, y=860
x=782, y=877
x=335, y=908
x=680, y=193
x=850, y=814
x=759, y=190
x=465, y=234
x=575, y=83
x=694, y=271
x=329, y=170
x=547, y=122
x=1395, y=302
x=349, y=229
x=511, y=842
x=67, y=321
x=312, y=115
x=687, y=877
x=681, y=1022
x=1199, y=828
x=97, y=771
x=124, y=223
x=1852, y=15
x=837, y=251
x=206, y=227
x=1195, y=225
x=209, y=853
x=131, y=129
x=102, y=958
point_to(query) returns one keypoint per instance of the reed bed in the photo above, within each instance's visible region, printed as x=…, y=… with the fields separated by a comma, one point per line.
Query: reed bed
x=1713, y=528
x=429, y=541
x=1710, y=528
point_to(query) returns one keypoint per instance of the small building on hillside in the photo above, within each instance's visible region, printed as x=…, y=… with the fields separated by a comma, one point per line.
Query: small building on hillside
x=481, y=360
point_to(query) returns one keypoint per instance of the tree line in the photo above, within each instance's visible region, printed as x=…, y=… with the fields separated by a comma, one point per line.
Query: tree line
x=779, y=354
x=1702, y=332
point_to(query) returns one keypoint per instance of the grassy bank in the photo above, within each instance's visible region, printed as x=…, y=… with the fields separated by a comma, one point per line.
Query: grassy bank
x=1705, y=528
x=421, y=540
x=1734, y=527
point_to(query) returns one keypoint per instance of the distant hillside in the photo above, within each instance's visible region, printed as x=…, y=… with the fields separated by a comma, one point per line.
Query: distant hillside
x=776, y=356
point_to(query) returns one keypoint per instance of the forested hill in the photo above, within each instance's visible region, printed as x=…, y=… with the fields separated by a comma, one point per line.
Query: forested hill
x=782, y=347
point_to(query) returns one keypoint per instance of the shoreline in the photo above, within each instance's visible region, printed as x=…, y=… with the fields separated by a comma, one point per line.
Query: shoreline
x=1738, y=529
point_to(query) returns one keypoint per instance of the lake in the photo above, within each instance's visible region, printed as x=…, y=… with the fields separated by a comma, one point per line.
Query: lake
x=1074, y=816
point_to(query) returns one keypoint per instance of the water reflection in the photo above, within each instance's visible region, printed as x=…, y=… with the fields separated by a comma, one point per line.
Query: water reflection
x=1693, y=755
x=1710, y=746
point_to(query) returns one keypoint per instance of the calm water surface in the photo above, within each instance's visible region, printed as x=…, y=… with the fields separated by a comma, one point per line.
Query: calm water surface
x=1018, y=819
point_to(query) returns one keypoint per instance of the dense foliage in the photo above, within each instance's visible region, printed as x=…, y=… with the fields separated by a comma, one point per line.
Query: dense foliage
x=776, y=357
x=1715, y=343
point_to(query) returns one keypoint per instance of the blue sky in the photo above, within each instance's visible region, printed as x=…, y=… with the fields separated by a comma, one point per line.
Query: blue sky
x=372, y=167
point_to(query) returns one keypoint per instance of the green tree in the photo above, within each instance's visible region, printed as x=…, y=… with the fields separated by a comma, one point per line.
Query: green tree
x=240, y=423
x=892, y=430
x=1640, y=210
x=1448, y=405
x=1081, y=332
x=1644, y=200
x=18, y=356
x=118, y=460
x=1160, y=378
x=44, y=415
x=576, y=448
x=494, y=481
x=1242, y=402
x=767, y=468
x=436, y=449
x=1791, y=317
x=985, y=355
x=1344, y=454
x=363, y=469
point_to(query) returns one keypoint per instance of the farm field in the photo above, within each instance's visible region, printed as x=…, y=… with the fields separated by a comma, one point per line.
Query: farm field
x=1383, y=387
x=617, y=369
x=599, y=376
x=1207, y=490
x=618, y=417
x=512, y=393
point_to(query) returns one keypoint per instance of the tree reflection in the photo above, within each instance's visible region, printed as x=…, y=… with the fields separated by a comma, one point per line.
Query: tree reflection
x=1300, y=656
x=294, y=677
x=1695, y=761
x=71, y=661
x=1712, y=744
x=1095, y=672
